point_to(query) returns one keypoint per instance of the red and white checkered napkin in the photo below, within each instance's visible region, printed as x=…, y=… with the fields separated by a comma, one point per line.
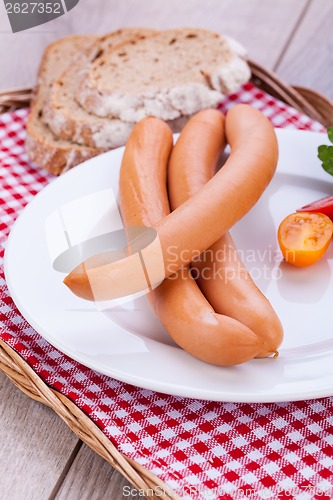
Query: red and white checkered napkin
x=201, y=449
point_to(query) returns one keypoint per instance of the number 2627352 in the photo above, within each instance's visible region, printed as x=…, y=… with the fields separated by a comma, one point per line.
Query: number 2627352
x=33, y=8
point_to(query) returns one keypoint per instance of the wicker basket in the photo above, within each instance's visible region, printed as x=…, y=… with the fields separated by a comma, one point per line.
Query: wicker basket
x=308, y=101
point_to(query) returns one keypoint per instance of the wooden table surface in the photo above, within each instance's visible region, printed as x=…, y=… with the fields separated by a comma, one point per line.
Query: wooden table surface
x=40, y=457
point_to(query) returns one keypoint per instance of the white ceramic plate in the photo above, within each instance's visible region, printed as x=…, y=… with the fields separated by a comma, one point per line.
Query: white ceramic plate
x=129, y=344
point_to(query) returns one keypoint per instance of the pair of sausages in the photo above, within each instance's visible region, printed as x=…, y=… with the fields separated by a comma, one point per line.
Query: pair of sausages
x=237, y=322
x=192, y=165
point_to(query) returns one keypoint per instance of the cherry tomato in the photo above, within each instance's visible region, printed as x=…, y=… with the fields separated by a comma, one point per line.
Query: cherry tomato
x=322, y=206
x=304, y=237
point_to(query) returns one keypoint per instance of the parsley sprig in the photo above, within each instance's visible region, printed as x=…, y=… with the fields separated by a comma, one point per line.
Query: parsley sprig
x=325, y=153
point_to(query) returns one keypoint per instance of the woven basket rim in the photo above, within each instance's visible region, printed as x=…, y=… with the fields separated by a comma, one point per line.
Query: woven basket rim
x=27, y=380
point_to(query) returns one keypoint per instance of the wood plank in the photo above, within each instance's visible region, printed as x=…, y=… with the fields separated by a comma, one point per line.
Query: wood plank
x=308, y=60
x=91, y=478
x=263, y=27
x=35, y=445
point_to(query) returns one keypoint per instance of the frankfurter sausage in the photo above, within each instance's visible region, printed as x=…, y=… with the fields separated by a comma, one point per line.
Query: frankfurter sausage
x=201, y=220
x=233, y=293
x=178, y=302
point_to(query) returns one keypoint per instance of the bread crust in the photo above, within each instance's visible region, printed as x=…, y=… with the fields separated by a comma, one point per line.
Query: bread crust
x=54, y=155
x=42, y=146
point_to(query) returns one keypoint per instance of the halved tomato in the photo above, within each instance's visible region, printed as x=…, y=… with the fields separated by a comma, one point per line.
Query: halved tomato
x=304, y=237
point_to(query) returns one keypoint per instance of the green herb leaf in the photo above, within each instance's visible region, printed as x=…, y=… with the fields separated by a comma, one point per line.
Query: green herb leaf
x=328, y=166
x=330, y=133
x=325, y=153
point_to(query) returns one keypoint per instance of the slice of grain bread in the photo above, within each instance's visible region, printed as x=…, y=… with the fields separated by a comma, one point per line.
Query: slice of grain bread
x=42, y=146
x=70, y=122
x=63, y=114
x=169, y=74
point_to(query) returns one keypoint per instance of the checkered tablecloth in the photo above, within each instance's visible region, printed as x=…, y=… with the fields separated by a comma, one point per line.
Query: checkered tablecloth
x=201, y=449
